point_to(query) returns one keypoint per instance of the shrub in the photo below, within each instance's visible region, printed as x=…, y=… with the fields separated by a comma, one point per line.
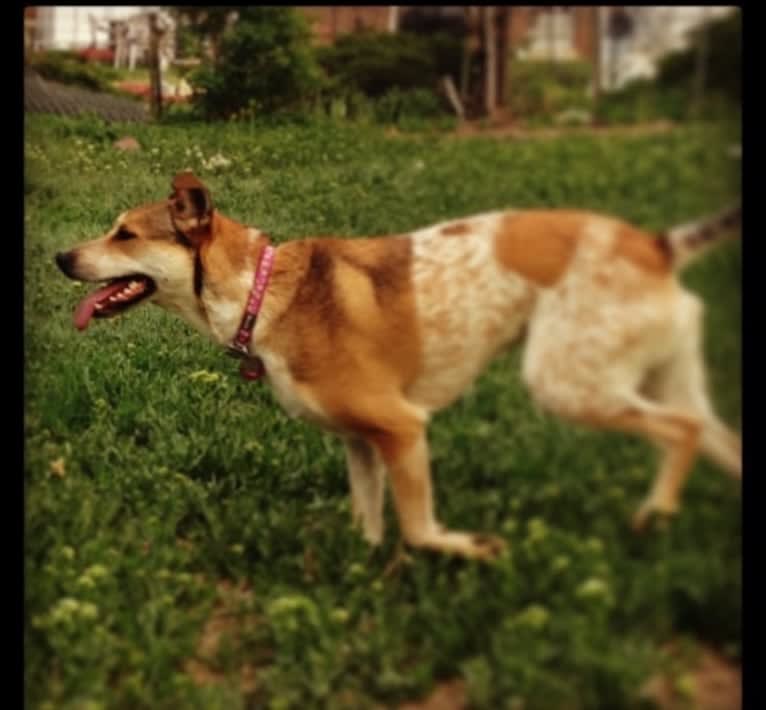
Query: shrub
x=542, y=88
x=642, y=100
x=398, y=104
x=376, y=62
x=69, y=68
x=265, y=63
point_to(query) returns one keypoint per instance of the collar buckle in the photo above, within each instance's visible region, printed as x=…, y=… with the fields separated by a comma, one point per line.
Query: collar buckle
x=237, y=350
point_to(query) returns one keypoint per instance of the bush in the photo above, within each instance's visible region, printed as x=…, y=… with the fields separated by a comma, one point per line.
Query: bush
x=390, y=79
x=538, y=89
x=265, y=64
x=376, y=62
x=642, y=100
x=68, y=68
x=398, y=104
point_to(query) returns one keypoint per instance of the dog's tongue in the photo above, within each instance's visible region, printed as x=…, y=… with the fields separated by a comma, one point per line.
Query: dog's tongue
x=84, y=311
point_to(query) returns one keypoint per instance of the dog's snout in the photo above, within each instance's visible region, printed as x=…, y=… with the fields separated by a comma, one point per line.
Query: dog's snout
x=65, y=262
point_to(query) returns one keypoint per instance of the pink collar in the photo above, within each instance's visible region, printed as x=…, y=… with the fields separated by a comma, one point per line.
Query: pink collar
x=251, y=367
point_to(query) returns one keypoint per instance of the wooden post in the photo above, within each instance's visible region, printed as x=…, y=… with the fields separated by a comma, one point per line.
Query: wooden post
x=154, y=66
x=452, y=95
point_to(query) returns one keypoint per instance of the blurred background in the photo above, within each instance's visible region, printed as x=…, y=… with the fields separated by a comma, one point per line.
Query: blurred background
x=511, y=65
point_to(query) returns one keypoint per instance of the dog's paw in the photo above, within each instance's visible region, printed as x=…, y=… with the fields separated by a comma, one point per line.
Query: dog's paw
x=652, y=515
x=488, y=547
x=472, y=546
x=398, y=561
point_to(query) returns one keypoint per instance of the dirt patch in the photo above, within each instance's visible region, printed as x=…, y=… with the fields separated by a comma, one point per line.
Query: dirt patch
x=711, y=682
x=704, y=681
x=451, y=695
x=226, y=625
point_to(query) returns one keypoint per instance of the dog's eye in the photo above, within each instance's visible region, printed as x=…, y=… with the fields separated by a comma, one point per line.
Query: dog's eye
x=124, y=234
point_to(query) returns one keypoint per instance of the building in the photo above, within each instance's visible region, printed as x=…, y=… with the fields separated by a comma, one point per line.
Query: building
x=122, y=29
x=633, y=38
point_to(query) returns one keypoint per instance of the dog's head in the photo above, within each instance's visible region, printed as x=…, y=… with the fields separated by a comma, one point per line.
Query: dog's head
x=150, y=253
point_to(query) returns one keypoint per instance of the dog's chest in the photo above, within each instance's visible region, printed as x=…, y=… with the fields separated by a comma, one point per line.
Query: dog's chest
x=295, y=399
x=468, y=306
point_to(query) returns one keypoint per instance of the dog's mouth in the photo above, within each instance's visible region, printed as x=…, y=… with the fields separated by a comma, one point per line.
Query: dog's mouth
x=114, y=298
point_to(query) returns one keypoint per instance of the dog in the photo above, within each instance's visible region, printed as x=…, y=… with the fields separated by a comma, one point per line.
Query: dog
x=369, y=337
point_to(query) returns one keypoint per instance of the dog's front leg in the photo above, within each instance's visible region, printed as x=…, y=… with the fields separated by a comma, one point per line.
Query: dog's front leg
x=407, y=459
x=366, y=477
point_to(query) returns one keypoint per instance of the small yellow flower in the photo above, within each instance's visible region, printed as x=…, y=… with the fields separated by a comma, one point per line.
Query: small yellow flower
x=340, y=615
x=86, y=582
x=204, y=376
x=535, y=616
x=88, y=610
x=58, y=468
x=594, y=588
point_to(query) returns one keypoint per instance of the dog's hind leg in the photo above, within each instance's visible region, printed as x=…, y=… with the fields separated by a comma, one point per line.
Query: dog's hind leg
x=676, y=432
x=680, y=382
x=366, y=473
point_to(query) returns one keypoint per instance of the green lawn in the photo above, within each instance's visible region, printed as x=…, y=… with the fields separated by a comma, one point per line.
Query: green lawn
x=154, y=473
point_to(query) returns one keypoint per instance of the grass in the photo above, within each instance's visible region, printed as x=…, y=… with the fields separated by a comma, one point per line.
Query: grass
x=154, y=473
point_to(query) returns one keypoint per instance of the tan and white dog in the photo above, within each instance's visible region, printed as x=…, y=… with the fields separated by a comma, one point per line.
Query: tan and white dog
x=369, y=337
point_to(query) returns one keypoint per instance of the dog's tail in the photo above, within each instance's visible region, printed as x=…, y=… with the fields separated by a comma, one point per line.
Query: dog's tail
x=686, y=242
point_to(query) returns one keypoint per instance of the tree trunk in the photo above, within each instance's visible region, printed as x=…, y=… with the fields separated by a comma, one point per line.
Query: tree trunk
x=490, y=62
x=154, y=66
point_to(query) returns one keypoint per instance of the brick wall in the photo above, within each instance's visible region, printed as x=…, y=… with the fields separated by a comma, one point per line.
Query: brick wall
x=329, y=22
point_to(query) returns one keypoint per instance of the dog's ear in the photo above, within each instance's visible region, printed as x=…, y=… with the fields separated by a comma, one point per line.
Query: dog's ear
x=191, y=207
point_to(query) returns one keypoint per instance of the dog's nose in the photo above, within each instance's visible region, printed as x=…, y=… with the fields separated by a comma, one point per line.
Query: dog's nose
x=64, y=262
